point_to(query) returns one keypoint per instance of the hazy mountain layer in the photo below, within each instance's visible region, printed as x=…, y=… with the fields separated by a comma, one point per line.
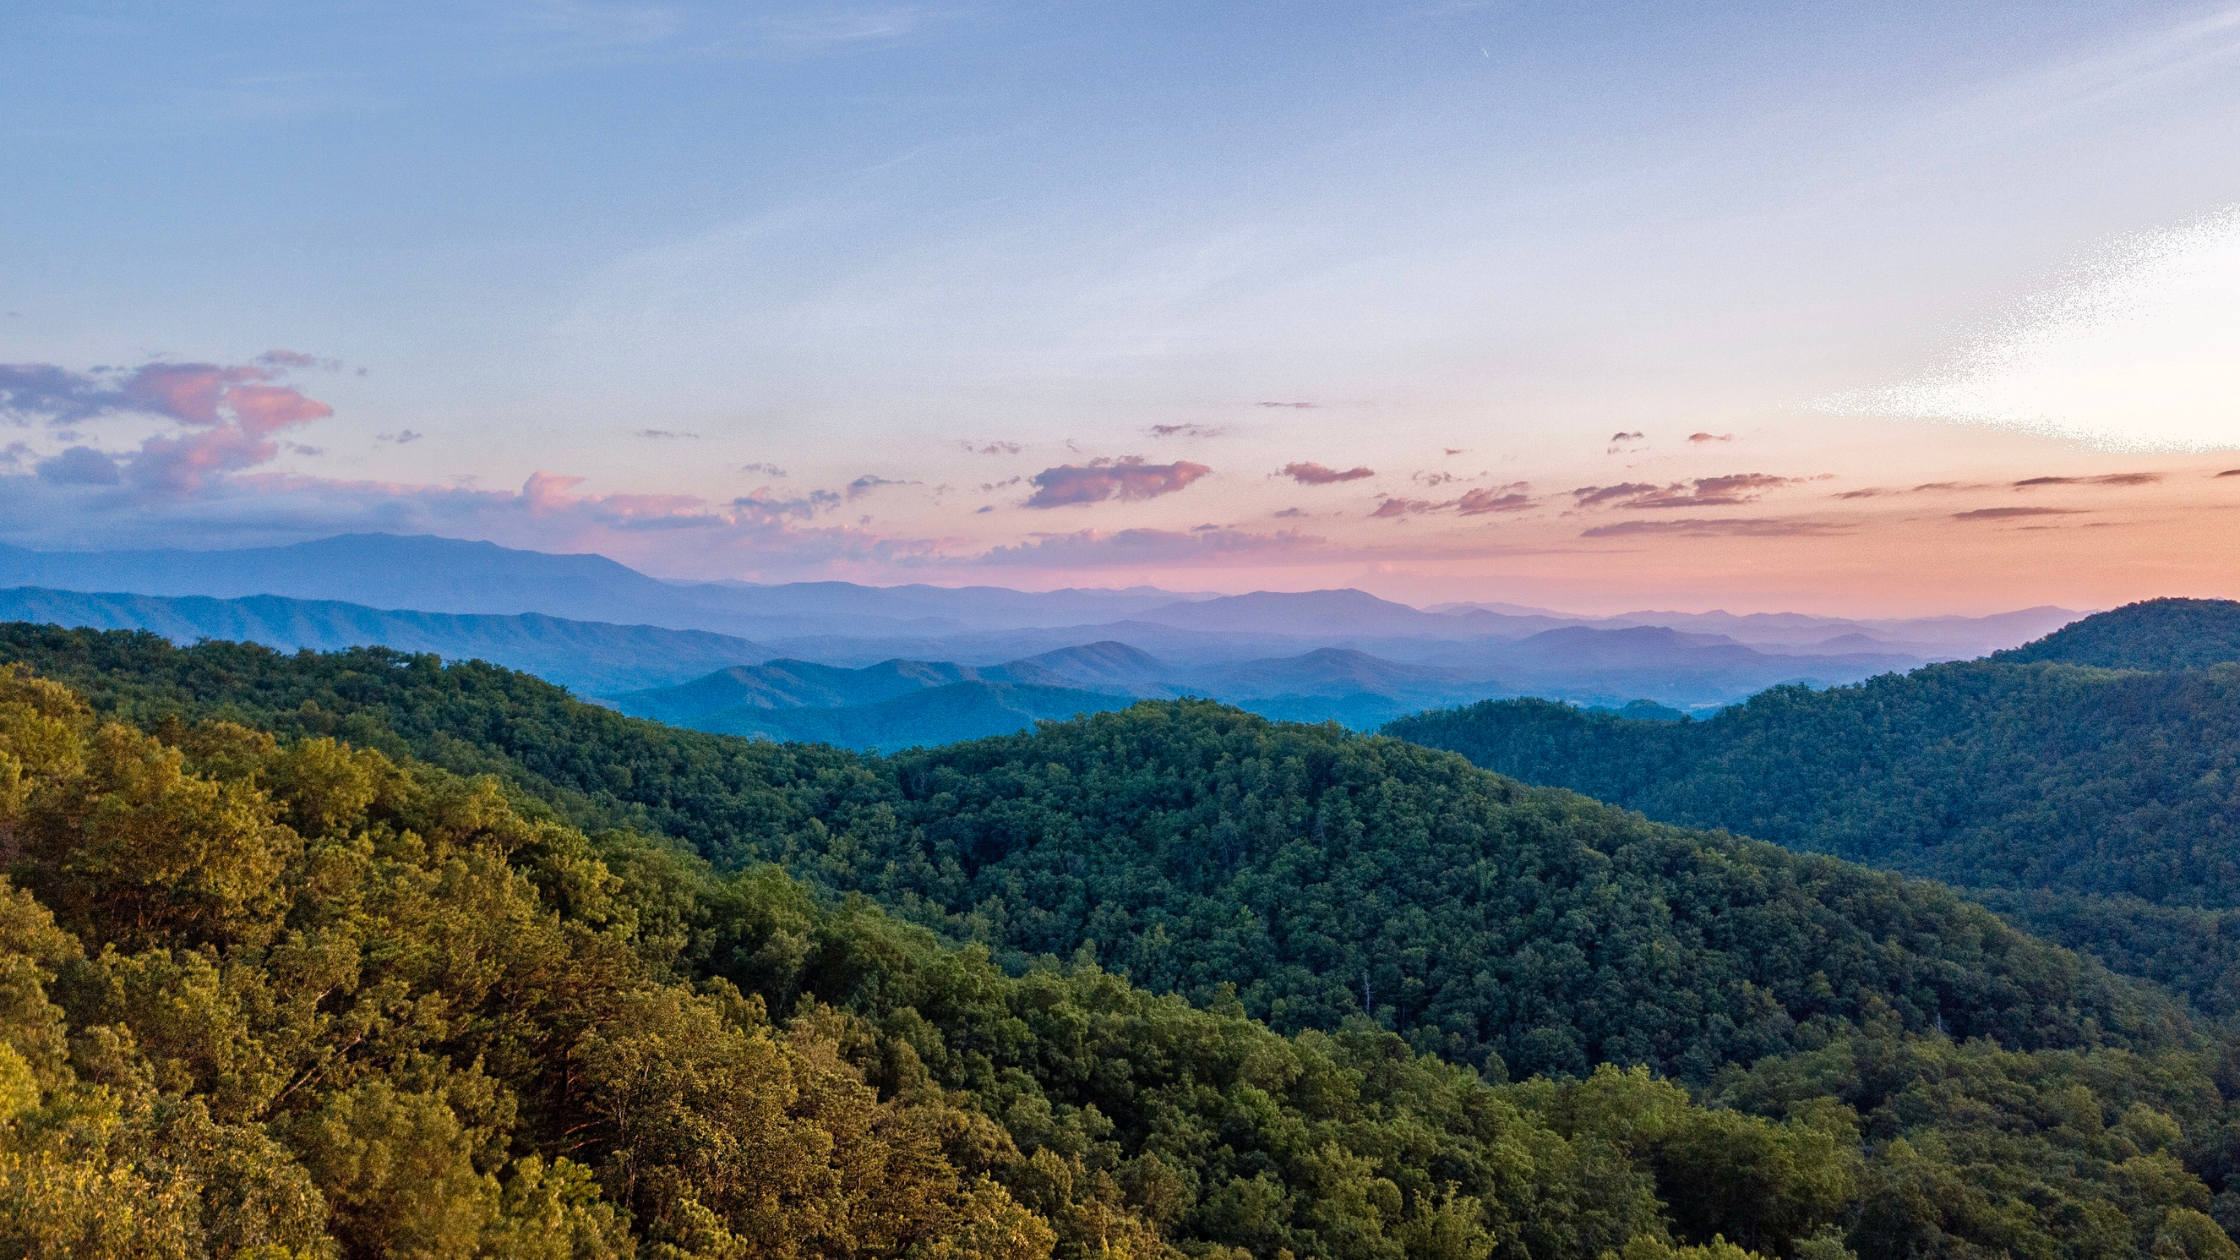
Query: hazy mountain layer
x=588, y=656
x=916, y=621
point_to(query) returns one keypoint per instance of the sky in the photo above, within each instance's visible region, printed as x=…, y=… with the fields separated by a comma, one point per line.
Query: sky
x=1869, y=310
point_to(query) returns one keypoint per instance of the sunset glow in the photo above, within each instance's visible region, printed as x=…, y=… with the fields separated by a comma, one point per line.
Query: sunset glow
x=1899, y=316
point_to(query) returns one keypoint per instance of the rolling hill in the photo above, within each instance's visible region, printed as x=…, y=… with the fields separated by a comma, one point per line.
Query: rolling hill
x=2095, y=804
x=2157, y=634
x=269, y=994
x=1210, y=852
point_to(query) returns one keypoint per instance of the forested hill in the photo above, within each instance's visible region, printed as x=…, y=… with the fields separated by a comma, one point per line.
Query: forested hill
x=2157, y=634
x=2102, y=807
x=285, y=1000
x=1198, y=847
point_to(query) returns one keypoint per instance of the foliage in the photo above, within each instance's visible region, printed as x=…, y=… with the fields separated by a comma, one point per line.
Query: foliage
x=305, y=997
x=2086, y=798
x=2155, y=634
x=296, y=998
x=1194, y=847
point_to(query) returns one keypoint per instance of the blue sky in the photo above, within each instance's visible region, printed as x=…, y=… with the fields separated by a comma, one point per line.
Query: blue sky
x=652, y=252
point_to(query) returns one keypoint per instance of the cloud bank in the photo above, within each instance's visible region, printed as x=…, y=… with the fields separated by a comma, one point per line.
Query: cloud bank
x=2133, y=350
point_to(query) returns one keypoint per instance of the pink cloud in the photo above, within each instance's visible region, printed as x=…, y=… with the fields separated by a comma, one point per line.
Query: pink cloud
x=1765, y=528
x=265, y=408
x=1723, y=491
x=1492, y=499
x=2106, y=479
x=241, y=420
x=230, y=415
x=1309, y=473
x=1596, y=496
x=1391, y=508
x=1101, y=479
x=2006, y=513
x=191, y=393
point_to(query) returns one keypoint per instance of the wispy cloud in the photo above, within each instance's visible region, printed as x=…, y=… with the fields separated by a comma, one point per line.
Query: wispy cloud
x=1722, y=491
x=2109, y=479
x=867, y=483
x=664, y=433
x=1711, y=437
x=1128, y=477
x=2008, y=513
x=1391, y=508
x=563, y=34
x=1309, y=473
x=1187, y=430
x=1509, y=498
x=2130, y=350
x=1723, y=528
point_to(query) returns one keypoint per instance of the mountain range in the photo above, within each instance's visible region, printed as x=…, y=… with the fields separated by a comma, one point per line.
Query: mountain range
x=588, y=656
x=796, y=660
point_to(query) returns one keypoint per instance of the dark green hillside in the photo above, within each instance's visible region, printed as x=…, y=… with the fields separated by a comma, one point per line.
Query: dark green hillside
x=2157, y=634
x=2102, y=805
x=595, y=766
x=1199, y=847
x=271, y=1000
x=521, y=1044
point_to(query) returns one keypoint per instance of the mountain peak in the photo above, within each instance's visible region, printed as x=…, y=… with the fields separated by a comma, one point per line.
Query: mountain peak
x=2154, y=634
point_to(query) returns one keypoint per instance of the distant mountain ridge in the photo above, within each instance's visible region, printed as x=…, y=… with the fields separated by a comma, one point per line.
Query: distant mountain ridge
x=791, y=684
x=1343, y=655
x=590, y=657
x=451, y=575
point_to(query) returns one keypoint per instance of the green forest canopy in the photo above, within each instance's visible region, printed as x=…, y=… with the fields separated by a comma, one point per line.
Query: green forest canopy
x=1204, y=851
x=273, y=999
x=2155, y=634
x=2100, y=805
